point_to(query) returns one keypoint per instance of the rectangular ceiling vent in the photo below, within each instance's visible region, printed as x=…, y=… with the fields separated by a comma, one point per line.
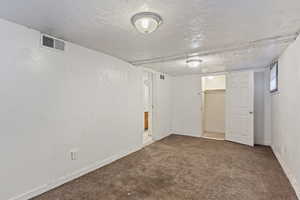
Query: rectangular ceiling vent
x=53, y=43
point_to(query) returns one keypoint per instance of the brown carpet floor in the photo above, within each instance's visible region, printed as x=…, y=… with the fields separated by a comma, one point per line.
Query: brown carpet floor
x=184, y=168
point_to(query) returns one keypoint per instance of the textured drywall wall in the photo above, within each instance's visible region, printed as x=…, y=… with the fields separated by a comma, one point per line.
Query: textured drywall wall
x=52, y=102
x=267, y=110
x=186, y=107
x=162, y=106
x=286, y=114
x=147, y=86
x=262, y=108
x=259, y=107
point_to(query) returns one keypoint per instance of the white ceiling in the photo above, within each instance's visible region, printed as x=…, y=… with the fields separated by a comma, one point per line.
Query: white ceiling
x=251, y=58
x=189, y=25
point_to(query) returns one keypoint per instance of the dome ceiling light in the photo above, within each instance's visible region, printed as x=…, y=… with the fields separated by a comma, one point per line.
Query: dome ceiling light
x=193, y=62
x=146, y=22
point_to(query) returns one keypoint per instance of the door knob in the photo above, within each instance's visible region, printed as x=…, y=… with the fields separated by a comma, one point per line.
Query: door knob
x=250, y=112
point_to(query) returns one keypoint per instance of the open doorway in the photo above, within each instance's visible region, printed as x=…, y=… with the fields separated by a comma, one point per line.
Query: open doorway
x=148, y=107
x=213, y=106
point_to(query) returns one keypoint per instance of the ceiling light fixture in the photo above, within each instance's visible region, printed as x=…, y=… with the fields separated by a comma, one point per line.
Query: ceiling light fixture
x=193, y=62
x=146, y=22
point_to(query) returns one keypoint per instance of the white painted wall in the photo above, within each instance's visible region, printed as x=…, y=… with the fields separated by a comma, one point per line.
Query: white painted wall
x=186, y=99
x=267, y=112
x=286, y=114
x=162, y=106
x=147, y=82
x=259, y=103
x=262, y=107
x=52, y=102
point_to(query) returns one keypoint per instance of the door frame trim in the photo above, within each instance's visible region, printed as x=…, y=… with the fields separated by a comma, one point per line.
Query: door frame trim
x=202, y=97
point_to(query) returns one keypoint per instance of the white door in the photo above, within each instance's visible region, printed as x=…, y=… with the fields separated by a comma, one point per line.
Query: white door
x=239, y=107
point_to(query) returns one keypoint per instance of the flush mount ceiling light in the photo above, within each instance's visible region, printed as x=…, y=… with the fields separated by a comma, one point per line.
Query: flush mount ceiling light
x=146, y=22
x=193, y=62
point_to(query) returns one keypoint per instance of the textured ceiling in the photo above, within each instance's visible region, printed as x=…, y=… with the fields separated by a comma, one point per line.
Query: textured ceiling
x=228, y=61
x=189, y=25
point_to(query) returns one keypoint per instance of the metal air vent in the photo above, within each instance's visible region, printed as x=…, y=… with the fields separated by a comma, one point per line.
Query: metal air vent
x=51, y=42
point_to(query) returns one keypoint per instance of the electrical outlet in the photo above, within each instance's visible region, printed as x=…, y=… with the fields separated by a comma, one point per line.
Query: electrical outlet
x=74, y=154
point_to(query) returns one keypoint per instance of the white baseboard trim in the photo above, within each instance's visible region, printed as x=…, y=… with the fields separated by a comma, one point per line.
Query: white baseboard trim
x=212, y=138
x=267, y=143
x=186, y=134
x=213, y=131
x=157, y=138
x=148, y=142
x=288, y=172
x=262, y=142
x=62, y=180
